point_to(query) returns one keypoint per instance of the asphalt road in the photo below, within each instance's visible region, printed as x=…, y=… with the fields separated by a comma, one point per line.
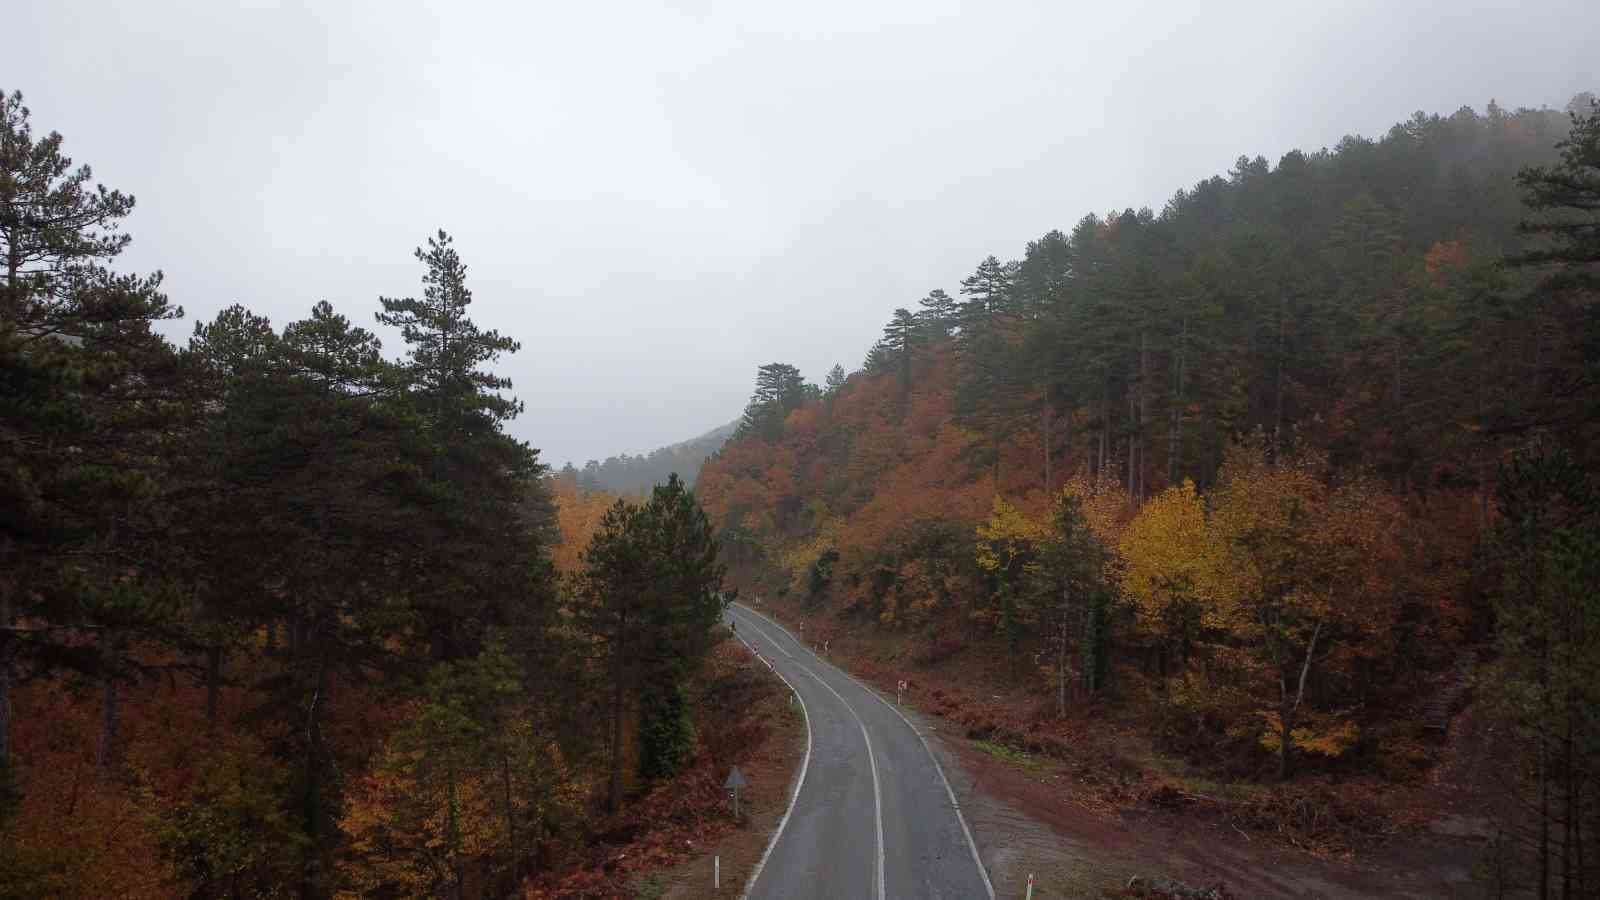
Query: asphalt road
x=873, y=816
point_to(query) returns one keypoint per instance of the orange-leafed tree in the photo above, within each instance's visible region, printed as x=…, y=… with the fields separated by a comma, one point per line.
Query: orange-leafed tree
x=460, y=795
x=578, y=514
x=1305, y=580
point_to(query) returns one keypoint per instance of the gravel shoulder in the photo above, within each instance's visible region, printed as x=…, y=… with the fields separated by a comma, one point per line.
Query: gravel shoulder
x=1024, y=823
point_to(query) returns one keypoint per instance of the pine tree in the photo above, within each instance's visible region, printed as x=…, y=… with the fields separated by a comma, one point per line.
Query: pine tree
x=1566, y=250
x=780, y=389
x=228, y=365
x=1072, y=571
x=1042, y=274
x=989, y=293
x=835, y=381
x=939, y=313
x=84, y=407
x=879, y=359
x=476, y=476
x=992, y=385
x=647, y=600
x=900, y=339
x=447, y=350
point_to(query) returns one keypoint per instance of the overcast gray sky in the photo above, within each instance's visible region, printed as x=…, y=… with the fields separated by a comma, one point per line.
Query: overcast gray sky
x=656, y=198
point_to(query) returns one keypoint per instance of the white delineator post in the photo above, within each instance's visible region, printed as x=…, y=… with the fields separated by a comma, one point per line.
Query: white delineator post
x=1030, y=886
x=716, y=875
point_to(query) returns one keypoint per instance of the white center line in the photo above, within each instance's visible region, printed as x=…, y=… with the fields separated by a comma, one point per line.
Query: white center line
x=798, y=783
x=775, y=644
x=877, y=792
x=972, y=845
x=872, y=759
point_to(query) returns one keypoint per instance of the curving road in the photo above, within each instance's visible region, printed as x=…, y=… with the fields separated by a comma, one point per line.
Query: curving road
x=872, y=816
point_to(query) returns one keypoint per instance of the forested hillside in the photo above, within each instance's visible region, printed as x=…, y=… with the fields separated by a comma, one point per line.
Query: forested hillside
x=280, y=613
x=1253, y=470
x=630, y=476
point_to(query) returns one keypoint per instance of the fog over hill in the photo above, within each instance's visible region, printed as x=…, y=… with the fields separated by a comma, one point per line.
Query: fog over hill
x=624, y=474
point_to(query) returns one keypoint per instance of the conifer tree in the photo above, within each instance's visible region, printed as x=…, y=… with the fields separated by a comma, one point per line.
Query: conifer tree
x=939, y=313
x=779, y=390
x=476, y=477
x=648, y=597
x=1566, y=251
x=83, y=407
x=899, y=339
x=835, y=381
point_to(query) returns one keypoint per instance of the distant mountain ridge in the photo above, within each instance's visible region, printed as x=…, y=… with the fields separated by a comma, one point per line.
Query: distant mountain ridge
x=624, y=474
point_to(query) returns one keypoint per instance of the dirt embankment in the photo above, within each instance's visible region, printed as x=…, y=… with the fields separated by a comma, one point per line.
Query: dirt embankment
x=771, y=767
x=663, y=844
x=1088, y=805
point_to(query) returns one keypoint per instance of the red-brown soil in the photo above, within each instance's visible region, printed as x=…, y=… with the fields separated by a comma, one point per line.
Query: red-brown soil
x=1082, y=807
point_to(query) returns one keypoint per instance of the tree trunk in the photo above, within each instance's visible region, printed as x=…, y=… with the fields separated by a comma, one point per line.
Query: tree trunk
x=310, y=870
x=511, y=822
x=1007, y=620
x=1478, y=455
x=1133, y=425
x=1277, y=412
x=1144, y=409
x=1285, y=716
x=1395, y=351
x=1569, y=819
x=1288, y=710
x=1105, y=421
x=1175, y=441
x=106, y=757
x=1536, y=376
x=618, y=661
x=1045, y=415
x=213, y=683
x=1066, y=433
x=8, y=652
x=1061, y=660
x=455, y=829
x=614, y=786
x=1544, y=818
x=994, y=448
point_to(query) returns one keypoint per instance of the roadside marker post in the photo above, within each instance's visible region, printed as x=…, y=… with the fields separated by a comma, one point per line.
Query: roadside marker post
x=716, y=873
x=899, y=692
x=736, y=781
x=1030, y=886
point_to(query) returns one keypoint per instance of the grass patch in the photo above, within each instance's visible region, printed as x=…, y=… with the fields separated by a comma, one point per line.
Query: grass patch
x=1011, y=755
x=651, y=887
x=1187, y=780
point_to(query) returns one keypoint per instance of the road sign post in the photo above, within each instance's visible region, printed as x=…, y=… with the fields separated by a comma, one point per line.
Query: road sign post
x=736, y=782
x=899, y=693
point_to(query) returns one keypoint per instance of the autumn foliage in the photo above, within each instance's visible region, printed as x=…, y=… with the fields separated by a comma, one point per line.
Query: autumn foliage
x=1277, y=407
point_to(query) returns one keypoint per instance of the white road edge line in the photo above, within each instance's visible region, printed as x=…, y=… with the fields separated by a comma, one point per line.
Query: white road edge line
x=775, y=644
x=877, y=792
x=954, y=803
x=798, y=783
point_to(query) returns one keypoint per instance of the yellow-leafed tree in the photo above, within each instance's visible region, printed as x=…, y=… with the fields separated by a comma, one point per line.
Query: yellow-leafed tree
x=1304, y=580
x=1008, y=544
x=1171, y=572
